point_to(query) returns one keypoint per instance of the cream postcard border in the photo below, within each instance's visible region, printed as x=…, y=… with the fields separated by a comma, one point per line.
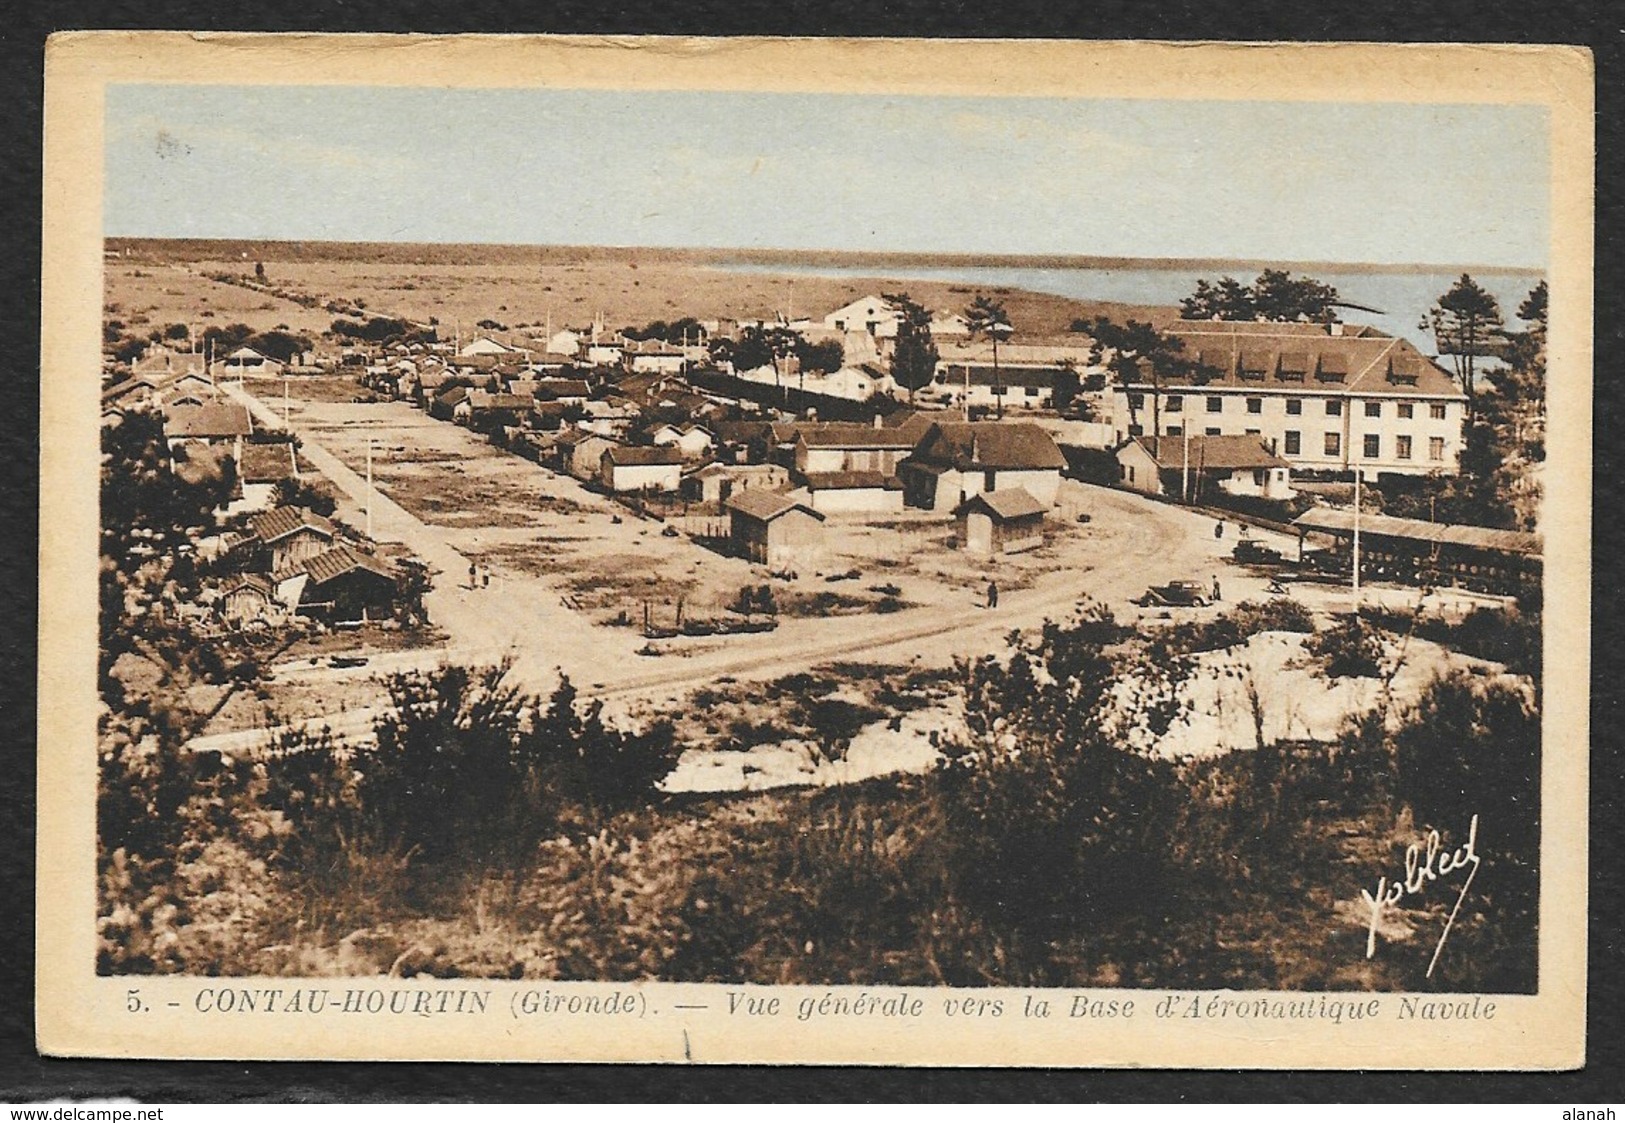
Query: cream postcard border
x=79, y=1014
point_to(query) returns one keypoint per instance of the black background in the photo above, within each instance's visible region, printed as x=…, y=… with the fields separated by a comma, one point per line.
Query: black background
x=26, y=1076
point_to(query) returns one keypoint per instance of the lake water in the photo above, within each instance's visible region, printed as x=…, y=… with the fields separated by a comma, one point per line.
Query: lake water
x=1403, y=298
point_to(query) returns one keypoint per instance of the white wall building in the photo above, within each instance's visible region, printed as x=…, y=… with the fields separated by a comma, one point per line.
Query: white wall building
x=1321, y=400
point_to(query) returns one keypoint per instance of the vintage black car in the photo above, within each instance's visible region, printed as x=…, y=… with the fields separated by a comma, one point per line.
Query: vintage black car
x=1176, y=594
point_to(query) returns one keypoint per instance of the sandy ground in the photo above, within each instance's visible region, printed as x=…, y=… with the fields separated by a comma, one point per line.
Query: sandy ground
x=631, y=287
x=542, y=535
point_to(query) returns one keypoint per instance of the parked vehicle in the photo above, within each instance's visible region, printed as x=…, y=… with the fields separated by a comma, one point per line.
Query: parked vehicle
x=1250, y=551
x=1176, y=594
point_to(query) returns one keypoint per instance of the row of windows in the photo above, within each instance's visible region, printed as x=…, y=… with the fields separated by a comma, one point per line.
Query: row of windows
x=1175, y=403
x=1332, y=445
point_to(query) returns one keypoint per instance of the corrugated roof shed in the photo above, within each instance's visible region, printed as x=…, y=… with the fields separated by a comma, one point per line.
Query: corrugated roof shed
x=1335, y=520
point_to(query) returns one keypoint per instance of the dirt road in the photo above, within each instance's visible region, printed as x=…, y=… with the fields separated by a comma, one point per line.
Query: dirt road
x=1137, y=542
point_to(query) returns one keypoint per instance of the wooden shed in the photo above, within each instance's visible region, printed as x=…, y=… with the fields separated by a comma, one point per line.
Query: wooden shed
x=774, y=529
x=1001, y=522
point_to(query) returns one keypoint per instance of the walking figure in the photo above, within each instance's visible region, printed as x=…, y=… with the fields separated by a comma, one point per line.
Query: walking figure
x=992, y=595
x=473, y=573
x=1218, y=529
x=485, y=578
x=1216, y=595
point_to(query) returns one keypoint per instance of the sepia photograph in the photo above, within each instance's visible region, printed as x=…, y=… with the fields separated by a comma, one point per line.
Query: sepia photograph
x=907, y=546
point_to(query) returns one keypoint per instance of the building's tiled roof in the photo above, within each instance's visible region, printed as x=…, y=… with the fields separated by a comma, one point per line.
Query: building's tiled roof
x=851, y=434
x=562, y=388
x=848, y=481
x=742, y=432
x=1227, y=452
x=765, y=506
x=639, y=456
x=977, y=445
x=212, y=419
x=279, y=522
x=1287, y=357
x=484, y=399
x=1336, y=520
x=128, y=386
x=1006, y=503
x=341, y=560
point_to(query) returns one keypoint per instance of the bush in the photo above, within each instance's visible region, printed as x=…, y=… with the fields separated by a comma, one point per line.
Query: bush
x=1351, y=648
x=1237, y=626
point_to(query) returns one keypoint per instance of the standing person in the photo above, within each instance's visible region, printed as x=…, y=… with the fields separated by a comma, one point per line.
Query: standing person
x=485, y=578
x=1218, y=529
x=473, y=574
x=992, y=595
x=1216, y=596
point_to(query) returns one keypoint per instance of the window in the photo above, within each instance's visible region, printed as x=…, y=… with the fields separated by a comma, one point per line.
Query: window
x=1176, y=404
x=1334, y=444
x=1260, y=477
x=1402, y=448
x=1176, y=430
x=1373, y=446
x=1334, y=408
x=1435, y=448
x=1136, y=401
x=1294, y=442
x=1215, y=404
x=1255, y=433
x=1213, y=430
x=1031, y=391
x=1436, y=411
x=1294, y=407
x=1406, y=411
x=1255, y=405
x=1373, y=409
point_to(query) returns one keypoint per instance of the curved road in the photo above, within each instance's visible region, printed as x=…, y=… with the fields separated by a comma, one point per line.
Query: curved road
x=1138, y=542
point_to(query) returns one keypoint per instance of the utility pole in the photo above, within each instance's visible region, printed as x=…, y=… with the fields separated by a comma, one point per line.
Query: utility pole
x=369, y=489
x=997, y=331
x=1185, y=466
x=1358, y=473
x=285, y=406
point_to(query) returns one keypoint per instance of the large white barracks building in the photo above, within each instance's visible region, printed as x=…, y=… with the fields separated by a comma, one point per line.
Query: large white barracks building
x=1326, y=399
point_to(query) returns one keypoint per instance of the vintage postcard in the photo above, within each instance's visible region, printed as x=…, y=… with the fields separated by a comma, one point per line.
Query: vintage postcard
x=710, y=551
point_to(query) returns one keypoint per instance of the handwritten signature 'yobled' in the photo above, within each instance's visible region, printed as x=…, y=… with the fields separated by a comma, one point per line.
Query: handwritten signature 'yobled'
x=1425, y=861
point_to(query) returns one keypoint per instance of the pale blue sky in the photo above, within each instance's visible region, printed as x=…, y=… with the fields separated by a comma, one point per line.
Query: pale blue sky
x=1249, y=180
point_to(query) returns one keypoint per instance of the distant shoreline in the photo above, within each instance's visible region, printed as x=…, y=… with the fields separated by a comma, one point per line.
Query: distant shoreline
x=476, y=253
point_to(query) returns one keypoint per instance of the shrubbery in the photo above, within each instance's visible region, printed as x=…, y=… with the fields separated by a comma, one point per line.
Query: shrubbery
x=1351, y=648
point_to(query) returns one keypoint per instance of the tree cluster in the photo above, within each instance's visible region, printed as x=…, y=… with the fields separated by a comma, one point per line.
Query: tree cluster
x=684, y=330
x=383, y=329
x=1275, y=295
